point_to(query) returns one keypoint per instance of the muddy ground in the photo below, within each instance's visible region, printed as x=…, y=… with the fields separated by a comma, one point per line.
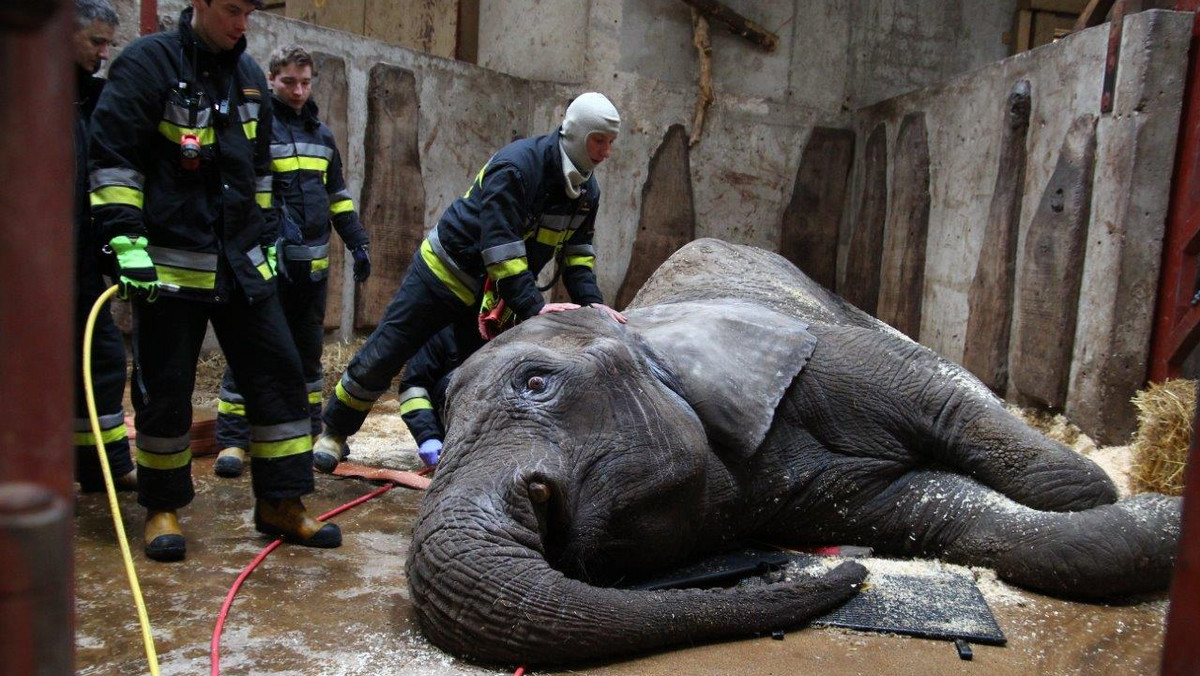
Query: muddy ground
x=346, y=611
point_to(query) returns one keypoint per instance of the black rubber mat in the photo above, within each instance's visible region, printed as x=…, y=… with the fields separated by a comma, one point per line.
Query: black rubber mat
x=938, y=605
x=915, y=600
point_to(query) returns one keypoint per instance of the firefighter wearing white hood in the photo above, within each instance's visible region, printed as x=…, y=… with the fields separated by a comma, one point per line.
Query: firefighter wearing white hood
x=533, y=202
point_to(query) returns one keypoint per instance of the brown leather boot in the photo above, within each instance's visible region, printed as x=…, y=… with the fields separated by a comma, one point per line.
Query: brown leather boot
x=230, y=462
x=127, y=481
x=287, y=518
x=164, y=537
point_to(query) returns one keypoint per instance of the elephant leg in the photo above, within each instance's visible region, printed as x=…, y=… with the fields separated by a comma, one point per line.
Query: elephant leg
x=902, y=394
x=1111, y=550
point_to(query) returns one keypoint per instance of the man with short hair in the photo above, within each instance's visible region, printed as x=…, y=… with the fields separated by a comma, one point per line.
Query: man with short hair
x=310, y=195
x=95, y=24
x=534, y=201
x=180, y=173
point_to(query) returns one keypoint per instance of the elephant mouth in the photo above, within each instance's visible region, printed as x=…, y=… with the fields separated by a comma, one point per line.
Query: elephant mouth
x=570, y=547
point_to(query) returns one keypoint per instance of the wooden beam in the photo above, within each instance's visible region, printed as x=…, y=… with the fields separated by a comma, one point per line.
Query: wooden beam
x=1075, y=7
x=1094, y=14
x=737, y=23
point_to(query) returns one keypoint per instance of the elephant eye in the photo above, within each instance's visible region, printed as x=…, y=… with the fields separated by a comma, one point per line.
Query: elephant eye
x=536, y=384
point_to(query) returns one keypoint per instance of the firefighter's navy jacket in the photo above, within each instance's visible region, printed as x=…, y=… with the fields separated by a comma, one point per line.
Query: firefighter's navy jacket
x=513, y=220
x=310, y=189
x=423, y=389
x=87, y=245
x=206, y=226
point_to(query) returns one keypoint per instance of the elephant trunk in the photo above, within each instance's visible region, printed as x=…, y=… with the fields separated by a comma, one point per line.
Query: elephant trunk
x=482, y=588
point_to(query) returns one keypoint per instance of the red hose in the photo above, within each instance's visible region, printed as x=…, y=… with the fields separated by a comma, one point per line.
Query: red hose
x=215, y=648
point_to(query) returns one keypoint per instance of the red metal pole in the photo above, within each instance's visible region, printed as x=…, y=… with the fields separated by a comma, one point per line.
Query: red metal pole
x=36, y=329
x=1175, y=335
x=1181, y=649
x=148, y=17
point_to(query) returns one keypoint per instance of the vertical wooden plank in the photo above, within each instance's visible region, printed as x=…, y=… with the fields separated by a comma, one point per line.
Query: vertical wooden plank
x=902, y=275
x=331, y=93
x=393, y=200
x=1051, y=269
x=809, y=233
x=668, y=218
x=467, y=47
x=344, y=15
x=990, y=298
x=429, y=26
x=865, y=255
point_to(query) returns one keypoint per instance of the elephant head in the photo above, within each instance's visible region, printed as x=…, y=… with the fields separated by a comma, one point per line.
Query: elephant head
x=579, y=453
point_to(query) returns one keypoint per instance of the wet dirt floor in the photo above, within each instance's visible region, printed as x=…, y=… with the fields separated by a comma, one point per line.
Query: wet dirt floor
x=346, y=611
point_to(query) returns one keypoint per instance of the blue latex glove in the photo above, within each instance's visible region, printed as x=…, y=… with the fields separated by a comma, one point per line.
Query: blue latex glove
x=362, y=266
x=429, y=451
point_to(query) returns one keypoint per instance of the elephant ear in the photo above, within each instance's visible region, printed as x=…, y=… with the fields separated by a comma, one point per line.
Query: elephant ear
x=733, y=360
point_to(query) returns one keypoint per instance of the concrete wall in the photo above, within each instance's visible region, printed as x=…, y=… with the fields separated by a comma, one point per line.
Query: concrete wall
x=1135, y=154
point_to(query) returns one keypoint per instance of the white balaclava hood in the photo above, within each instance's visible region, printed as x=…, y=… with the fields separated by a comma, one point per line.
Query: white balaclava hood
x=588, y=114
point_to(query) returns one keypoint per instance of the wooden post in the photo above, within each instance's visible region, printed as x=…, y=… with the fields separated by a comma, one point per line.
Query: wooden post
x=704, y=97
x=990, y=298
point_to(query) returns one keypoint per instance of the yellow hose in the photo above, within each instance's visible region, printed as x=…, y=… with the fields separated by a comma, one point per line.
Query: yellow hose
x=143, y=618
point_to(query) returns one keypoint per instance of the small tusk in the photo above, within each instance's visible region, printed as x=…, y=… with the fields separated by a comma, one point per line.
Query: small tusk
x=539, y=492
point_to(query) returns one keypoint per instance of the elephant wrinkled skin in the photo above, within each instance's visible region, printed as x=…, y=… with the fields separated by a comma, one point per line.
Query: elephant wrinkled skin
x=742, y=401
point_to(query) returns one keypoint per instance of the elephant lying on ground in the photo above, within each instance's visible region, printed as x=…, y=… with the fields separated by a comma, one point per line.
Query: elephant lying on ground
x=742, y=401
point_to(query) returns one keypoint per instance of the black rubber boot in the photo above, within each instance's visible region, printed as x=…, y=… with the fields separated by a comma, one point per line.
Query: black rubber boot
x=230, y=462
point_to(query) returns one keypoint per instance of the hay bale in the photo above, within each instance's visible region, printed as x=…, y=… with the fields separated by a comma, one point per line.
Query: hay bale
x=1160, y=447
x=211, y=367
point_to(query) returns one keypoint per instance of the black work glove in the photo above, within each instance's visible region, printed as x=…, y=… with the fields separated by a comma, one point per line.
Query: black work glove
x=362, y=264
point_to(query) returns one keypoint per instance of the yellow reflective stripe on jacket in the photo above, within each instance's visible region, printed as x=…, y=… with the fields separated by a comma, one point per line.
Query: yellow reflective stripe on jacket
x=280, y=449
x=552, y=237
x=251, y=129
x=164, y=460
x=117, y=194
x=585, y=261
x=319, y=264
x=230, y=408
x=264, y=269
x=295, y=163
x=174, y=133
x=350, y=400
x=314, y=397
x=478, y=178
x=515, y=266
x=192, y=279
x=415, y=404
x=444, y=275
x=341, y=207
x=106, y=436
x=263, y=199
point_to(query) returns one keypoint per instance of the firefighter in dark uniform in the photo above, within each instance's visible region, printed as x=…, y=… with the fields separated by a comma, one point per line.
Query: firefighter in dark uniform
x=95, y=23
x=180, y=181
x=309, y=194
x=423, y=390
x=535, y=200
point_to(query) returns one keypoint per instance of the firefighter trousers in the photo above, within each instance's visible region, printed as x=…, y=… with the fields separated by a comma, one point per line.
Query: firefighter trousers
x=422, y=306
x=304, y=309
x=168, y=334
x=108, y=386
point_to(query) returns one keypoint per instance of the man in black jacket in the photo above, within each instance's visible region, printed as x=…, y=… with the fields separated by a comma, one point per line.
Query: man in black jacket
x=534, y=201
x=181, y=190
x=95, y=23
x=310, y=195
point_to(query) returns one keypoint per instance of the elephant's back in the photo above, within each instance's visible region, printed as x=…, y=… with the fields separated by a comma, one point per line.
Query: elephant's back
x=707, y=269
